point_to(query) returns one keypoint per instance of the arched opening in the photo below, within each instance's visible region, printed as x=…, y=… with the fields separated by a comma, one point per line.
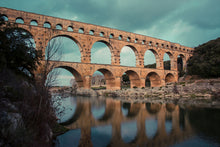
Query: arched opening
x=128, y=39
x=103, y=79
x=59, y=27
x=63, y=48
x=19, y=20
x=130, y=79
x=64, y=76
x=47, y=25
x=128, y=56
x=34, y=23
x=147, y=82
x=154, y=79
x=81, y=30
x=166, y=61
x=91, y=32
x=5, y=18
x=111, y=35
x=99, y=50
x=120, y=37
x=101, y=34
x=150, y=59
x=180, y=65
x=125, y=82
x=70, y=29
x=60, y=77
x=169, y=78
x=136, y=40
x=98, y=81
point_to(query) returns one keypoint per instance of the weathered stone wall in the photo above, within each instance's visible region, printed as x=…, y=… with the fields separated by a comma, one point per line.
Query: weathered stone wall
x=44, y=28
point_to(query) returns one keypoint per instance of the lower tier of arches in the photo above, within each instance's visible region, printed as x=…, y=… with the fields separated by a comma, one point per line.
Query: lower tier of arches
x=138, y=77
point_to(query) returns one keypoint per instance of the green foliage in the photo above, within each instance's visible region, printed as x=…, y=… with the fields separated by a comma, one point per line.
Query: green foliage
x=150, y=66
x=17, y=51
x=206, y=60
x=166, y=65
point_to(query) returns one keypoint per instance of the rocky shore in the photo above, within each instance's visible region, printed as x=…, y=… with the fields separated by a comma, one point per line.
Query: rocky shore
x=202, y=92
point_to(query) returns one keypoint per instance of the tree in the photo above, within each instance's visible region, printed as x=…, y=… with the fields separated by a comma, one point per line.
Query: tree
x=205, y=60
x=17, y=50
x=48, y=75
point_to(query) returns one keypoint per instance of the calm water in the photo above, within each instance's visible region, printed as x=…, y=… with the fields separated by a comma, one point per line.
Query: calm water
x=108, y=122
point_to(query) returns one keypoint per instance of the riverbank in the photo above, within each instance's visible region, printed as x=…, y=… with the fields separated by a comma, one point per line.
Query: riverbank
x=193, y=92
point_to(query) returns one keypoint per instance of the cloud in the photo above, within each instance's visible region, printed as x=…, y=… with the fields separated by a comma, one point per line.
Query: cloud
x=187, y=22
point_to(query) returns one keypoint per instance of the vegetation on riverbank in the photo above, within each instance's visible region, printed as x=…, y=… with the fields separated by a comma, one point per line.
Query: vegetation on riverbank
x=26, y=112
x=205, y=61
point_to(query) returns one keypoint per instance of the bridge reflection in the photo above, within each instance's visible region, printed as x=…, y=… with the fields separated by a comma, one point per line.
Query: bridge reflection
x=154, y=124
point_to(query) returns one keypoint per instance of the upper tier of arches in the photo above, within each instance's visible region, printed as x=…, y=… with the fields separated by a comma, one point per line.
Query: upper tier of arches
x=88, y=29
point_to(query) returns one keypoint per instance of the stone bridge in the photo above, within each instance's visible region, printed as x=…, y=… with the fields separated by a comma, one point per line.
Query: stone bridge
x=44, y=28
x=138, y=112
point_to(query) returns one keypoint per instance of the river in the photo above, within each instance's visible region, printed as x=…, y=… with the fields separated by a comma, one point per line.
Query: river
x=101, y=122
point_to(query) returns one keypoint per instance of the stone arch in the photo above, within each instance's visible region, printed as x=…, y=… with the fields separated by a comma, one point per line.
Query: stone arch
x=47, y=24
x=69, y=37
x=19, y=20
x=120, y=37
x=101, y=34
x=154, y=78
x=91, y=32
x=34, y=22
x=169, y=78
x=81, y=30
x=181, y=62
x=109, y=78
x=109, y=47
x=5, y=17
x=156, y=57
x=128, y=39
x=75, y=73
x=171, y=64
x=111, y=35
x=135, y=54
x=134, y=78
x=70, y=29
x=59, y=27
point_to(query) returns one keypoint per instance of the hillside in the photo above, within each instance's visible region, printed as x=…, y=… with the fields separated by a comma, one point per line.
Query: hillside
x=205, y=61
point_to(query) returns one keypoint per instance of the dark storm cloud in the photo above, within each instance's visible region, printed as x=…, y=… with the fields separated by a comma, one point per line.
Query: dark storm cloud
x=189, y=22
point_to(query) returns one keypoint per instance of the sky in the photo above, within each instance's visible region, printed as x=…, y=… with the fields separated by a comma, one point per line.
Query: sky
x=187, y=22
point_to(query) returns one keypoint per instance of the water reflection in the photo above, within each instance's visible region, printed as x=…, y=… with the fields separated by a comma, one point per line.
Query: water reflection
x=109, y=122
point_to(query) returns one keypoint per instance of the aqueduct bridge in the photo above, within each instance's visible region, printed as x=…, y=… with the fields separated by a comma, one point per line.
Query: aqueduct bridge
x=44, y=28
